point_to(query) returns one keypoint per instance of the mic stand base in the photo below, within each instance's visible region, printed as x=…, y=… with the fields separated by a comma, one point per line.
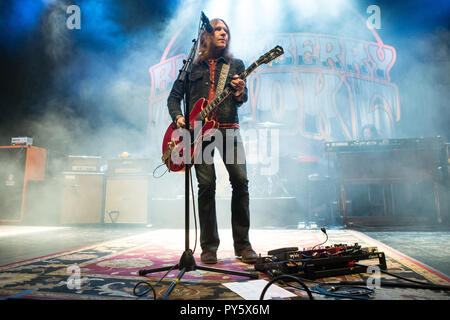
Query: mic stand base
x=186, y=264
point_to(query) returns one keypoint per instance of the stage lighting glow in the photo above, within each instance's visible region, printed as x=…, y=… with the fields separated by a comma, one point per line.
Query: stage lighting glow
x=218, y=9
x=6, y=231
x=304, y=7
x=24, y=15
x=308, y=8
x=101, y=21
x=271, y=13
x=245, y=13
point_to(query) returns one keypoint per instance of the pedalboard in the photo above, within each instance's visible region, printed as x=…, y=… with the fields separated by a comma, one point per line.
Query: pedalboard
x=336, y=260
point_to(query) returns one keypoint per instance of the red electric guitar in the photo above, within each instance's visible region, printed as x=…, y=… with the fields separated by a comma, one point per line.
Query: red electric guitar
x=172, y=148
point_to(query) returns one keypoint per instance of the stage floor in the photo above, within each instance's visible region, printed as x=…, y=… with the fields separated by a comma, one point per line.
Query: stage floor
x=423, y=255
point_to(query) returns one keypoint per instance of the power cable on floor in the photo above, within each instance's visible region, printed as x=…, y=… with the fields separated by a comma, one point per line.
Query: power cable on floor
x=149, y=285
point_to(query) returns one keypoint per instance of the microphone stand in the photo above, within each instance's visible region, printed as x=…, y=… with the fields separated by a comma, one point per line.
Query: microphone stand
x=187, y=261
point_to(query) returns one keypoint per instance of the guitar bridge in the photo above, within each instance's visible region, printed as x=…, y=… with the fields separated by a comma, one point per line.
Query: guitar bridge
x=199, y=117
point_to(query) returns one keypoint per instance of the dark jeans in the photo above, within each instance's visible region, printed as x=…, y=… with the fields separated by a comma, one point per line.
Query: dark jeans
x=206, y=177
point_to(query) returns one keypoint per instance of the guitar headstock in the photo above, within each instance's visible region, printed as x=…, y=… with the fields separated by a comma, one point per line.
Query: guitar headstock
x=271, y=55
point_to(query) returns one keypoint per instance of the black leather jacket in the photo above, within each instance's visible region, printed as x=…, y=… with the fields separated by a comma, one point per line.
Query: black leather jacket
x=198, y=85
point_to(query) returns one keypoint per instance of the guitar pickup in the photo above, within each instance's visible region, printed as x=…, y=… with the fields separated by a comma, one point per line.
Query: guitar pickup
x=199, y=117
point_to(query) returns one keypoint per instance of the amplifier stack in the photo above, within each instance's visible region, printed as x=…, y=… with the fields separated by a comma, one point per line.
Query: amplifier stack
x=20, y=164
x=82, y=197
x=115, y=193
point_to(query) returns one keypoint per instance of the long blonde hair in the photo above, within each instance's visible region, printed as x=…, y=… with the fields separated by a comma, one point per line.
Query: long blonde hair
x=206, y=48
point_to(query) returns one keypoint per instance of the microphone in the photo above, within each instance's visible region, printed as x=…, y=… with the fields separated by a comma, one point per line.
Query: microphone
x=208, y=26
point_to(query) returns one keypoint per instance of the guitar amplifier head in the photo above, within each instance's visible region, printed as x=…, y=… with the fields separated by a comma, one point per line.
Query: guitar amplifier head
x=18, y=141
x=129, y=166
x=83, y=163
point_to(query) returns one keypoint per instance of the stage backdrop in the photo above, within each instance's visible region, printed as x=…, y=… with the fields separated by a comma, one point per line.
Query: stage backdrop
x=332, y=80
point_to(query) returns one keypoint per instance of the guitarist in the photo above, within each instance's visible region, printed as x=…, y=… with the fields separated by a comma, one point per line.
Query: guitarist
x=212, y=55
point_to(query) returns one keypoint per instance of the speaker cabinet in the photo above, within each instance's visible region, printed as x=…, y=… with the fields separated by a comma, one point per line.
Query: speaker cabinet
x=82, y=198
x=43, y=203
x=126, y=199
x=18, y=166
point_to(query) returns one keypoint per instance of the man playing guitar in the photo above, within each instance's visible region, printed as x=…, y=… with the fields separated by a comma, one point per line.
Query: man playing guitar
x=203, y=82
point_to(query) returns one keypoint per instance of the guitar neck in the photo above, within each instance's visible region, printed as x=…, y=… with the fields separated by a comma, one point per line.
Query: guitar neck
x=249, y=70
x=225, y=93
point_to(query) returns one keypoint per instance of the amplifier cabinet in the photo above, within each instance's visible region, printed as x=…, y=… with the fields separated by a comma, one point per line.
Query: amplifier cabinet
x=82, y=198
x=18, y=165
x=126, y=199
x=390, y=164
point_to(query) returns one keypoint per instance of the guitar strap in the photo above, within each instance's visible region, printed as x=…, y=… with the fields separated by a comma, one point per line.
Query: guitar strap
x=222, y=78
x=221, y=85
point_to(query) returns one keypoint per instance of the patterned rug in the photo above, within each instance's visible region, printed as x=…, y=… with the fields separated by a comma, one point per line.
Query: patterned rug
x=109, y=270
